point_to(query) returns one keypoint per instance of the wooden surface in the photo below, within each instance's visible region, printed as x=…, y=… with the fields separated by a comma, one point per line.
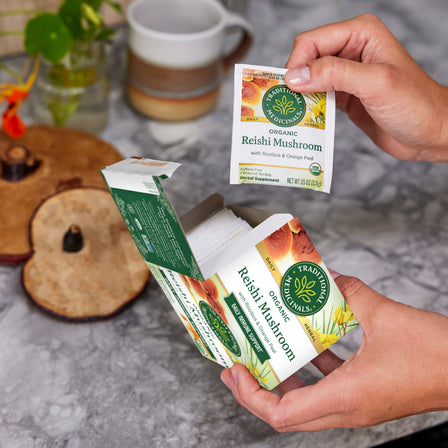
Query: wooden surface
x=14, y=44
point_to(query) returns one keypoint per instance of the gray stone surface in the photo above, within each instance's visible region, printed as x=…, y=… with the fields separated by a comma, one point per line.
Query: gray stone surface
x=136, y=380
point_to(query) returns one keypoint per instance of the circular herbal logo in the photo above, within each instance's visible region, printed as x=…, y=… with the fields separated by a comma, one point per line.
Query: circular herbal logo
x=283, y=107
x=220, y=328
x=305, y=288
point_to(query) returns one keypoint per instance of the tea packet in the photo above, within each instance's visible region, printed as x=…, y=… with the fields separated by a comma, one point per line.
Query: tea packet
x=280, y=137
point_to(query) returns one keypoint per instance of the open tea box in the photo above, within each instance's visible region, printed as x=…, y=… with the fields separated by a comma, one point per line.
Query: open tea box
x=248, y=284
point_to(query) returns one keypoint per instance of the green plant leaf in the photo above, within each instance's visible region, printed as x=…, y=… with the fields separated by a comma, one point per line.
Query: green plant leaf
x=47, y=35
x=70, y=13
x=92, y=15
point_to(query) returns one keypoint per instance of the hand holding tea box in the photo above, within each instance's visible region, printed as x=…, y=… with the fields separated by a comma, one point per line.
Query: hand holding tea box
x=400, y=367
x=397, y=371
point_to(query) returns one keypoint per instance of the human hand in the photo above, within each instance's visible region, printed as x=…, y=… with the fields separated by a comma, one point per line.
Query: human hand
x=399, y=370
x=377, y=83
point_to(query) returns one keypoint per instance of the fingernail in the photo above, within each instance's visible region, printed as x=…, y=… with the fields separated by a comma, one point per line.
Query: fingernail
x=334, y=274
x=298, y=76
x=234, y=375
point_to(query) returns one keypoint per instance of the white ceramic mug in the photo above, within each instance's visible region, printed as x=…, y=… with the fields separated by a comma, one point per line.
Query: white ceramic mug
x=176, y=57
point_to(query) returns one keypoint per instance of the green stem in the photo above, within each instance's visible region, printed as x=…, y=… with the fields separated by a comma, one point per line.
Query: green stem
x=11, y=72
x=11, y=33
x=16, y=12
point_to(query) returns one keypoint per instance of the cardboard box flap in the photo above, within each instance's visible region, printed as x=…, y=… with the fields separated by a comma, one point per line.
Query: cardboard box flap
x=253, y=216
x=160, y=235
x=135, y=173
x=157, y=231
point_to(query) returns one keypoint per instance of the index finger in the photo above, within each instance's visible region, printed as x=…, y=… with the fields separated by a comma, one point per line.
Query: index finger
x=346, y=39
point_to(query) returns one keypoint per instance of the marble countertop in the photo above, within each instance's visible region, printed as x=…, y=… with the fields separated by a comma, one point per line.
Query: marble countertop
x=136, y=380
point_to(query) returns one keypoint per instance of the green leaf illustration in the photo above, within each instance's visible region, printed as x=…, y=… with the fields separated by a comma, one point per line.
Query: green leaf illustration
x=303, y=289
x=284, y=106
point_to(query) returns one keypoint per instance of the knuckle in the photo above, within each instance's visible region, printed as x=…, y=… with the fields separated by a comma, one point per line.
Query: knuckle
x=356, y=410
x=330, y=69
x=298, y=39
x=370, y=20
x=385, y=78
x=328, y=63
x=385, y=74
x=278, y=422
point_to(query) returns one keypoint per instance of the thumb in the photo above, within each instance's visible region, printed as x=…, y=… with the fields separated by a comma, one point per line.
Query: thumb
x=334, y=73
x=363, y=300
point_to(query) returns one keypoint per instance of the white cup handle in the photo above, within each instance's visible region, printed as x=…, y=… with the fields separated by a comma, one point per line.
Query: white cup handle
x=234, y=21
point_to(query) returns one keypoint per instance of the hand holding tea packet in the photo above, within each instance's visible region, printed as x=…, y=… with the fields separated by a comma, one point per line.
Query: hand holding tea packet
x=378, y=84
x=400, y=367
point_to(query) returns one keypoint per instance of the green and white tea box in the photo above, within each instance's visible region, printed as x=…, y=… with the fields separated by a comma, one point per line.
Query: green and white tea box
x=248, y=285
